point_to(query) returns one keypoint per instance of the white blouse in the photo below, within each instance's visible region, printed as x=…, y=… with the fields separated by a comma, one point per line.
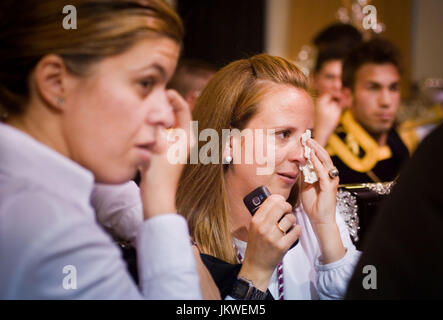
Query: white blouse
x=51, y=246
x=304, y=277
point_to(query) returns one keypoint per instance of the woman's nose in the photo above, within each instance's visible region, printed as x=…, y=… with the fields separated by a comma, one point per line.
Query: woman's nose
x=297, y=152
x=160, y=112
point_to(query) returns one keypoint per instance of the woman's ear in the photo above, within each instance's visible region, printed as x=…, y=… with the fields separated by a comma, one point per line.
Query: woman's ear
x=50, y=78
x=227, y=149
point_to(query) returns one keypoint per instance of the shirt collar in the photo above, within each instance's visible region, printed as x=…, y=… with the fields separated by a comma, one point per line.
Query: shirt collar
x=24, y=158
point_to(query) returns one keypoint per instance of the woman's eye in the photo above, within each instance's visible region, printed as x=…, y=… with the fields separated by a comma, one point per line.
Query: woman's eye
x=147, y=84
x=284, y=134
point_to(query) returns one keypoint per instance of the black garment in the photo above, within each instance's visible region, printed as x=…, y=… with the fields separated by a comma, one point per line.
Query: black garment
x=129, y=254
x=385, y=170
x=224, y=274
x=405, y=242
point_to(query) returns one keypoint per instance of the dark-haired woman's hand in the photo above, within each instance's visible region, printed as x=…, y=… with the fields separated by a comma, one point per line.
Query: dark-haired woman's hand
x=159, y=180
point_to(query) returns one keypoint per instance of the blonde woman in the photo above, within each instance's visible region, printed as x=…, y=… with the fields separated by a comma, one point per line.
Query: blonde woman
x=248, y=255
x=78, y=107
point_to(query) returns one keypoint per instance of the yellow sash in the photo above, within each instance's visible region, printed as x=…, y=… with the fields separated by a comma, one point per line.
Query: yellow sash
x=373, y=152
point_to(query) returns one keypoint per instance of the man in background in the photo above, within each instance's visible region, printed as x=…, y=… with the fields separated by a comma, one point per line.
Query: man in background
x=333, y=44
x=365, y=147
x=190, y=78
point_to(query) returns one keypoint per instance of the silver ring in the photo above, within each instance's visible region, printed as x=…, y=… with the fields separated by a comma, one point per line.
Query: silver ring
x=333, y=173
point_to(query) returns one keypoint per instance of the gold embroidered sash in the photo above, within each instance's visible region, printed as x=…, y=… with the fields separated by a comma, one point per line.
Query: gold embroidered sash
x=347, y=151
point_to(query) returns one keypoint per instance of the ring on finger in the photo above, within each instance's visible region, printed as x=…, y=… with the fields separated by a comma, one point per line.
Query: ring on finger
x=333, y=173
x=281, y=230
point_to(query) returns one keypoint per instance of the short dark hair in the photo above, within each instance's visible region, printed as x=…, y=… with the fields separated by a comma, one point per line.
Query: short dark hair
x=327, y=55
x=339, y=35
x=186, y=70
x=377, y=50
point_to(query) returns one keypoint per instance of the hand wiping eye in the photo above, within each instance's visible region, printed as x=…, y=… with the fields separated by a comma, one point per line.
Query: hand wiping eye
x=308, y=168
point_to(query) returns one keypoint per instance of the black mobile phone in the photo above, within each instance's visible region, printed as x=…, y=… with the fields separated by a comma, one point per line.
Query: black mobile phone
x=254, y=200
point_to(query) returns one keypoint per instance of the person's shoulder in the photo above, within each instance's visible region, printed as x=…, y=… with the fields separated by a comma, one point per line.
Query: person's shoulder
x=29, y=213
x=30, y=202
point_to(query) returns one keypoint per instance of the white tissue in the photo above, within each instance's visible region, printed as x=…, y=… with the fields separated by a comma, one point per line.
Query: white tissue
x=308, y=168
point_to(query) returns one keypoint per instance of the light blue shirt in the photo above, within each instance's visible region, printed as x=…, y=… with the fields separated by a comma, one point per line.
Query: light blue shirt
x=51, y=246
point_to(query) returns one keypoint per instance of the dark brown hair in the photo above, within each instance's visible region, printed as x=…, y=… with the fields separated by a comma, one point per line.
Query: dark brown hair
x=338, y=35
x=377, y=50
x=31, y=29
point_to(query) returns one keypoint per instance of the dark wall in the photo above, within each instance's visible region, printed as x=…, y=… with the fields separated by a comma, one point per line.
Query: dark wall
x=220, y=31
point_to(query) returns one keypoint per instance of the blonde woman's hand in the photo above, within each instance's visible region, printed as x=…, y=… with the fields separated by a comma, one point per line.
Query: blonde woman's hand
x=267, y=244
x=319, y=202
x=319, y=198
x=160, y=179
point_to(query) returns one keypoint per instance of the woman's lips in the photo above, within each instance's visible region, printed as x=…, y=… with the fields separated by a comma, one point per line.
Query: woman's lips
x=144, y=150
x=288, y=177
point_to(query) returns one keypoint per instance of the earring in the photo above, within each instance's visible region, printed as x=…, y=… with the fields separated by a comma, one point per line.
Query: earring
x=228, y=159
x=60, y=101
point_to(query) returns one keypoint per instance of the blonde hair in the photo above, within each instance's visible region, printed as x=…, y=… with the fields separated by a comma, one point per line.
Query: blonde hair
x=230, y=100
x=32, y=29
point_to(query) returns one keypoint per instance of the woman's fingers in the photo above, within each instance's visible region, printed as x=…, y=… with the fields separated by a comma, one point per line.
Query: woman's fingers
x=181, y=109
x=286, y=222
x=292, y=236
x=272, y=210
x=272, y=222
x=321, y=153
x=322, y=162
x=319, y=167
x=183, y=116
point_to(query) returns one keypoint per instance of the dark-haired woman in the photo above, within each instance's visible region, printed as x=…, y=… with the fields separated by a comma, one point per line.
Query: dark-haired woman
x=78, y=107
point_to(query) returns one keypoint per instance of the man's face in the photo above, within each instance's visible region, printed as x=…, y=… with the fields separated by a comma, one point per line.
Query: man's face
x=328, y=79
x=376, y=97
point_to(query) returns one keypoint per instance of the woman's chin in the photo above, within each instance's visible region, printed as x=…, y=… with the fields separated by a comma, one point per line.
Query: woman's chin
x=115, y=176
x=284, y=192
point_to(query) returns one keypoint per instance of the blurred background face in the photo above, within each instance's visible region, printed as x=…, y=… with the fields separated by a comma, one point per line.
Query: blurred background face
x=328, y=79
x=116, y=113
x=376, y=97
x=289, y=111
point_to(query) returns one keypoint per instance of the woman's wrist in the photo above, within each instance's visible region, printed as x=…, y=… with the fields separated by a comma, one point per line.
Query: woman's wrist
x=259, y=278
x=329, y=239
x=154, y=205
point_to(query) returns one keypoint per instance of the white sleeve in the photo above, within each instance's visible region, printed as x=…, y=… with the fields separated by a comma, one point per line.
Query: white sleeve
x=118, y=209
x=333, y=278
x=57, y=254
x=167, y=268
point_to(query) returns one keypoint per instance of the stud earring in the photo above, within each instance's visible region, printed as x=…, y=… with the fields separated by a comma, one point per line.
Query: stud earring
x=60, y=101
x=228, y=159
